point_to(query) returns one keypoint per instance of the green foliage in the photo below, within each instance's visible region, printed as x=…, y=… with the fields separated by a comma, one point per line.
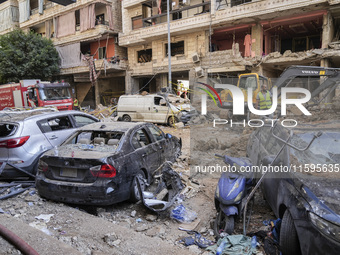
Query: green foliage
x=27, y=56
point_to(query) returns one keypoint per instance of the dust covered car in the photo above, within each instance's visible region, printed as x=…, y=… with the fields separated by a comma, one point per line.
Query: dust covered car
x=98, y=165
x=303, y=187
x=25, y=135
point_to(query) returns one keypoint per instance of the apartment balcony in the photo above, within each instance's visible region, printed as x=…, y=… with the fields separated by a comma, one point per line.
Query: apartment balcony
x=52, y=10
x=244, y=12
x=91, y=34
x=100, y=64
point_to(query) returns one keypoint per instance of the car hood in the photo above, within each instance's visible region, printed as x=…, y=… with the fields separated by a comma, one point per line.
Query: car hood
x=82, y=151
x=323, y=194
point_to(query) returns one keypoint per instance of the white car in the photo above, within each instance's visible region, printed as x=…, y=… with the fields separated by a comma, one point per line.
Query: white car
x=25, y=135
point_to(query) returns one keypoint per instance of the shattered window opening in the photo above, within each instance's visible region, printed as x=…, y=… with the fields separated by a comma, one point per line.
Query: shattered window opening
x=157, y=133
x=140, y=139
x=7, y=129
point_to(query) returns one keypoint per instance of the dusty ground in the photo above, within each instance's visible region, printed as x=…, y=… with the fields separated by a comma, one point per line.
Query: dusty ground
x=130, y=228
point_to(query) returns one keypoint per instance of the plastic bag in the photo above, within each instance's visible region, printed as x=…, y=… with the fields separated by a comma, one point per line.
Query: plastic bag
x=182, y=214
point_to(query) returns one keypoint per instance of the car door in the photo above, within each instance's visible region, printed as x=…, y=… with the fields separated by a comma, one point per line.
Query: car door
x=160, y=110
x=145, y=149
x=57, y=129
x=163, y=145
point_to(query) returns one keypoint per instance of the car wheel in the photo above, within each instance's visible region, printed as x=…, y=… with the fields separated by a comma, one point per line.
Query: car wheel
x=289, y=241
x=172, y=120
x=224, y=224
x=126, y=118
x=135, y=196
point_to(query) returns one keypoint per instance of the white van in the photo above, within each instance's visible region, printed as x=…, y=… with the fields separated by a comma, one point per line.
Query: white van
x=149, y=108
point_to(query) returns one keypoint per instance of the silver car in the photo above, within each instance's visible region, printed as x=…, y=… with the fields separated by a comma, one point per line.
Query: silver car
x=25, y=135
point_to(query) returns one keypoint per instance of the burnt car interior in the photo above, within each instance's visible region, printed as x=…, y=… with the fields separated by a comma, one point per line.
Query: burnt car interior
x=97, y=138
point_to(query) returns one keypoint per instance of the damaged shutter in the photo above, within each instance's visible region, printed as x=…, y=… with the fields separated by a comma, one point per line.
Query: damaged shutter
x=87, y=17
x=66, y=24
x=70, y=55
x=109, y=15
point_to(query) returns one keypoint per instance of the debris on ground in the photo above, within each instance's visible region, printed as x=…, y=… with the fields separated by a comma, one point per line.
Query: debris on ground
x=104, y=112
x=168, y=188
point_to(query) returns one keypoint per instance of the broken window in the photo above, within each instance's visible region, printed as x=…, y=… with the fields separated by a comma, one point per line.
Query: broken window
x=140, y=139
x=83, y=120
x=156, y=133
x=159, y=101
x=54, y=124
x=295, y=34
x=144, y=56
x=7, y=129
x=176, y=48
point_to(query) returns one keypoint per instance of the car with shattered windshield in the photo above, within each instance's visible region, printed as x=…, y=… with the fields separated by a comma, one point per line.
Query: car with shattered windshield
x=304, y=190
x=100, y=163
x=25, y=135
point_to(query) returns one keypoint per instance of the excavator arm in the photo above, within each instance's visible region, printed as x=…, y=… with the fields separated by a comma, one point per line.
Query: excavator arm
x=331, y=78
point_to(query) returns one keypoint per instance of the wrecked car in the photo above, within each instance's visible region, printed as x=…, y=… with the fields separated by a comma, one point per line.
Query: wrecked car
x=25, y=135
x=149, y=108
x=101, y=162
x=304, y=189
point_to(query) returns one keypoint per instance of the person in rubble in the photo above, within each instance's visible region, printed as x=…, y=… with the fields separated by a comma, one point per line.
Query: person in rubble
x=264, y=99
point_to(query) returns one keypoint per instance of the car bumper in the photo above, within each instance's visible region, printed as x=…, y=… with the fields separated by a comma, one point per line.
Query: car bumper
x=101, y=192
x=314, y=242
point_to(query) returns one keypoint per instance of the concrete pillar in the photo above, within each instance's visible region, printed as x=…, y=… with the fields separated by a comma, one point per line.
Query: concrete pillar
x=162, y=81
x=192, y=81
x=96, y=93
x=327, y=30
x=327, y=36
x=131, y=84
x=257, y=40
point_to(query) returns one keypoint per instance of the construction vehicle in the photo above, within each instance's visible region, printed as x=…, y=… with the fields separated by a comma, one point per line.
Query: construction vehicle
x=34, y=93
x=319, y=79
x=245, y=81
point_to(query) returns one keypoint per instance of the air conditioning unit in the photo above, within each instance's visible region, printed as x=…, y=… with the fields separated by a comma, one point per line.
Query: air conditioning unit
x=195, y=58
x=199, y=71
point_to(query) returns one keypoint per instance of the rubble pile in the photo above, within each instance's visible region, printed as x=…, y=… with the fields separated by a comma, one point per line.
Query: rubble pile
x=104, y=112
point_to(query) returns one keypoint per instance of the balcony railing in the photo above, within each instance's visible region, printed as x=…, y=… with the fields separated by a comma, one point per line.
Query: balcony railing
x=176, y=14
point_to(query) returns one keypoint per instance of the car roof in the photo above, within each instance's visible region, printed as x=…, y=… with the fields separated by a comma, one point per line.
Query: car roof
x=17, y=116
x=109, y=126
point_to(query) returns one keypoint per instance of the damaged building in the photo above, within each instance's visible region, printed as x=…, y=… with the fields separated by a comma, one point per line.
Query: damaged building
x=112, y=47
x=214, y=40
x=85, y=33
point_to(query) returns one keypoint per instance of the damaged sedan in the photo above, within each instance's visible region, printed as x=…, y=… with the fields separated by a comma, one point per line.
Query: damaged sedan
x=304, y=189
x=100, y=163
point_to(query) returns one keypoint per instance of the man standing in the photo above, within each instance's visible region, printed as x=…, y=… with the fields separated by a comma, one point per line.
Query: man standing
x=264, y=99
x=75, y=104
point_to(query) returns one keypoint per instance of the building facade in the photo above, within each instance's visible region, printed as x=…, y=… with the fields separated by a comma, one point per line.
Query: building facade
x=214, y=40
x=85, y=34
x=111, y=47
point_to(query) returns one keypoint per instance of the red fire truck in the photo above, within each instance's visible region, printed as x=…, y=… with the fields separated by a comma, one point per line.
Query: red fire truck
x=34, y=93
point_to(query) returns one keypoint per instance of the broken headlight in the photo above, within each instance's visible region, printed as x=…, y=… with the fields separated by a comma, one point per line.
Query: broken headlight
x=328, y=228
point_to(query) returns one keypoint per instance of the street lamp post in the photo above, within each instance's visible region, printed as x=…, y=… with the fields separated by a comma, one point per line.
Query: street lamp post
x=169, y=47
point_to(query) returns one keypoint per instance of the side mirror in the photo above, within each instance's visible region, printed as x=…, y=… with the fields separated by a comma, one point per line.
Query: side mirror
x=168, y=136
